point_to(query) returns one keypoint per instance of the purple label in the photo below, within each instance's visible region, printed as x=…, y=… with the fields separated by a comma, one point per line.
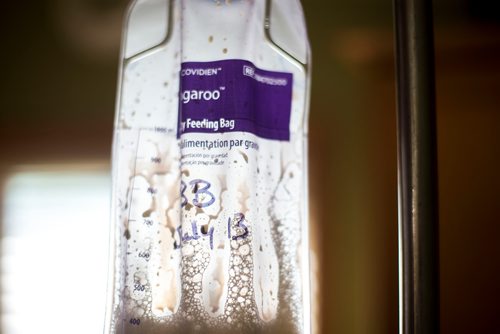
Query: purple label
x=234, y=95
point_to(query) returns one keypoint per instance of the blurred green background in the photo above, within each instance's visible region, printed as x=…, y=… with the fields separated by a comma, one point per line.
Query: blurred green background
x=59, y=70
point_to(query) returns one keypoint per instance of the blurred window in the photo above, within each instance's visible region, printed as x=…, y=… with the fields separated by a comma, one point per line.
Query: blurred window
x=54, y=251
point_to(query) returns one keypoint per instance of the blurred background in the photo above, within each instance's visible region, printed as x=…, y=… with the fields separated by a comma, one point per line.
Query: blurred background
x=57, y=95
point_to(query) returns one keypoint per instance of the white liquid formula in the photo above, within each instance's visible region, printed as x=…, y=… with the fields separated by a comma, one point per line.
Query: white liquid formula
x=209, y=170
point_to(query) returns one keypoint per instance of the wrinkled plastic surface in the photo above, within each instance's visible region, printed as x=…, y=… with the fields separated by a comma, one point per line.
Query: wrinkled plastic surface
x=208, y=237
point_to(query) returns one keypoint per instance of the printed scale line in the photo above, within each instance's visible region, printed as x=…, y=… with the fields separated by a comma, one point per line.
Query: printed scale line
x=134, y=172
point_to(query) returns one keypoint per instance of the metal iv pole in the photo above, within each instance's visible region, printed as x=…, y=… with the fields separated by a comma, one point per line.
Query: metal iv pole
x=417, y=168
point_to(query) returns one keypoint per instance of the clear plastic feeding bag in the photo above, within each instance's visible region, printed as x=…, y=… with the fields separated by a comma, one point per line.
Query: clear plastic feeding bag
x=209, y=204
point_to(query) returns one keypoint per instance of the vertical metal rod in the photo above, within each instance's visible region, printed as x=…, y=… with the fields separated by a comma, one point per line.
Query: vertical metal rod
x=417, y=168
